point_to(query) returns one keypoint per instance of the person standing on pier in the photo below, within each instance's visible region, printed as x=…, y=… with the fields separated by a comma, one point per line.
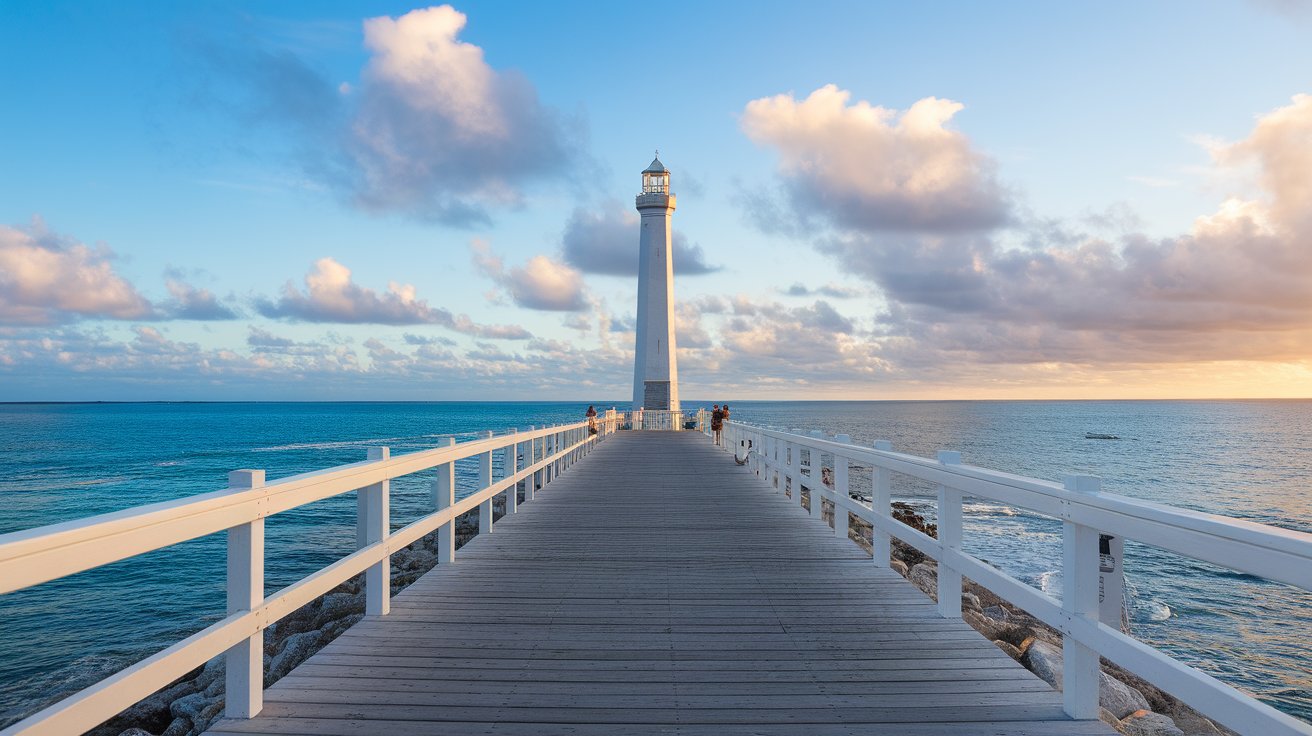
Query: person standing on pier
x=592, y=419
x=717, y=423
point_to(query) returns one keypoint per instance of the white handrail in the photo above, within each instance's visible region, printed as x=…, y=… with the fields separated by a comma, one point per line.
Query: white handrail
x=1085, y=511
x=34, y=556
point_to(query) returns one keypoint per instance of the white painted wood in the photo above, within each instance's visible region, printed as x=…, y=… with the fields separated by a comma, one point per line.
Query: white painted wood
x=509, y=459
x=444, y=496
x=949, y=536
x=842, y=519
x=1079, y=598
x=485, y=480
x=245, y=660
x=376, y=525
x=881, y=501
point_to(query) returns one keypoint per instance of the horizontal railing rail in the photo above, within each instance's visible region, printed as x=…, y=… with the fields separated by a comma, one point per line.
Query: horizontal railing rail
x=1086, y=512
x=34, y=556
x=655, y=419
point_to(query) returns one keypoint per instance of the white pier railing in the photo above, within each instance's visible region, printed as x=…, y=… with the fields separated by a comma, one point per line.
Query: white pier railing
x=35, y=556
x=1085, y=512
x=655, y=419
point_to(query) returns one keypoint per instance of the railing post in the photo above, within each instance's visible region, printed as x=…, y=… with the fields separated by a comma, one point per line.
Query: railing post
x=530, y=457
x=841, y=497
x=881, y=502
x=485, y=480
x=1079, y=598
x=372, y=525
x=444, y=497
x=245, y=660
x=795, y=467
x=510, y=456
x=949, y=536
x=774, y=464
x=817, y=485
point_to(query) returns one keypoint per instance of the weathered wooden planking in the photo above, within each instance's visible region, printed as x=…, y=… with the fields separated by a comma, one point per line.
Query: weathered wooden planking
x=656, y=587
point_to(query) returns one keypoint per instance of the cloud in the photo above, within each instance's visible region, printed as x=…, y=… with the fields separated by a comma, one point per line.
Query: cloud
x=833, y=291
x=540, y=283
x=48, y=279
x=1234, y=287
x=870, y=168
x=193, y=302
x=331, y=295
x=429, y=130
x=441, y=134
x=606, y=242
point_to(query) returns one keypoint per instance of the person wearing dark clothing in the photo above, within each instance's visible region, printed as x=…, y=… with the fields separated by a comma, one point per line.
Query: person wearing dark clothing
x=592, y=420
x=717, y=423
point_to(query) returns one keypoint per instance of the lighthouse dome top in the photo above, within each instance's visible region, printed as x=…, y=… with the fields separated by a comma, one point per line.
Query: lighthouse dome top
x=656, y=167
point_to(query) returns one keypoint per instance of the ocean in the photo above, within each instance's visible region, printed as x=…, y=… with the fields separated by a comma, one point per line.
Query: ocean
x=1248, y=459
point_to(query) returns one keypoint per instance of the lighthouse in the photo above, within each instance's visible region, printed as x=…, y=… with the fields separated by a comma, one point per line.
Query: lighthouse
x=655, y=372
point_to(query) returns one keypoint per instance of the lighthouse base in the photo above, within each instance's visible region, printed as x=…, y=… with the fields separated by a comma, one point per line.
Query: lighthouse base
x=656, y=395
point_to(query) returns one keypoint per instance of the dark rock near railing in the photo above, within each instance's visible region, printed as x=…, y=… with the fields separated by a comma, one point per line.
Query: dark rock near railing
x=194, y=702
x=1130, y=704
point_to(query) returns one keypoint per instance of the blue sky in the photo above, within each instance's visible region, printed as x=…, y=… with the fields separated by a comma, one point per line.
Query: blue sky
x=875, y=200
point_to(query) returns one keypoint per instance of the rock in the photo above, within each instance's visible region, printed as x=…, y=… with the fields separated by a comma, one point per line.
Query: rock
x=215, y=669
x=1009, y=648
x=997, y=613
x=422, y=561
x=925, y=577
x=991, y=628
x=338, y=605
x=179, y=727
x=899, y=567
x=334, y=629
x=1193, y=724
x=296, y=650
x=215, y=688
x=1119, y=698
x=1148, y=723
x=1045, y=660
x=134, y=731
x=189, y=706
x=1107, y=717
x=208, y=716
x=970, y=601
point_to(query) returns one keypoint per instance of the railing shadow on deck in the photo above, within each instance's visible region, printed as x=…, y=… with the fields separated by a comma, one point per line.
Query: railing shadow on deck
x=1086, y=513
x=39, y=555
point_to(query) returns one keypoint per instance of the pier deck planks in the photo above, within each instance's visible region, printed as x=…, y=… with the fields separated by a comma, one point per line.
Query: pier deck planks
x=656, y=587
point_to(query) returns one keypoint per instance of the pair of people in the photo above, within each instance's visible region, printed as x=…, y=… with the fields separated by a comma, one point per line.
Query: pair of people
x=592, y=420
x=718, y=417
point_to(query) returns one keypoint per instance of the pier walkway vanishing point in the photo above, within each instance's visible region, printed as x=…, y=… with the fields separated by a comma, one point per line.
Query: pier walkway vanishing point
x=660, y=588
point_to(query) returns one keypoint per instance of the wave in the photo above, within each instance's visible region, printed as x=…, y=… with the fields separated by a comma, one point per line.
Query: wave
x=333, y=445
x=6, y=486
x=1153, y=610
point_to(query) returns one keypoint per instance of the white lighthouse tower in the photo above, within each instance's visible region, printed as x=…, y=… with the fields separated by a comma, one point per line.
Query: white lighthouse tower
x=655, y=372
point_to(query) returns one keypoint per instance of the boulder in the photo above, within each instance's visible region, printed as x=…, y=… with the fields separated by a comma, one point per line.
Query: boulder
x=925, y=577
x=297, y=649
x=970, y=602
x=1148, y=723
x=1045, y=660
x=334, y=629
x=189, y=706
x=179, y=727
x=997, y=613
x=207, y=717
x=134, y=731
x=1009, y=648
x=338, y=605
x=899, y=567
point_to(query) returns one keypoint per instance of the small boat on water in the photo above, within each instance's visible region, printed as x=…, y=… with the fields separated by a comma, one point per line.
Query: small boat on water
x=1096, y=436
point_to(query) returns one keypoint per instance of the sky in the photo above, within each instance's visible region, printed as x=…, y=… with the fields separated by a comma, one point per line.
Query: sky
x=391, y=201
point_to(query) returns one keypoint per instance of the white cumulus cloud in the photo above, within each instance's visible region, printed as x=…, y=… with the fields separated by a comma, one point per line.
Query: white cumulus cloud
x=46, y=279
x=866, y=167
x=541, y=283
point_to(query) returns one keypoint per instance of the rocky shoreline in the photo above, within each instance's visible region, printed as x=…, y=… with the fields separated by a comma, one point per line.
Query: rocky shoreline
x=1127, y=702
x=191, y=704
x=194, y=702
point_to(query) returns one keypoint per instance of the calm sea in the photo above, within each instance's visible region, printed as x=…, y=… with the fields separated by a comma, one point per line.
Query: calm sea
x=1249, y=459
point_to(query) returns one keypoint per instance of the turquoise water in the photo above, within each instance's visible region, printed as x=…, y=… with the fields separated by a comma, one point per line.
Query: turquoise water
x=1250, y=459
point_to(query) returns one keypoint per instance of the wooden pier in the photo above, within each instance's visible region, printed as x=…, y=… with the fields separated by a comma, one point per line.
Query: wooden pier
x=657, y=587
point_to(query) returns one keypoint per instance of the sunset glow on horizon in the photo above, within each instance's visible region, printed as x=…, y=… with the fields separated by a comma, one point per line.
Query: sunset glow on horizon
x=322, y=202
